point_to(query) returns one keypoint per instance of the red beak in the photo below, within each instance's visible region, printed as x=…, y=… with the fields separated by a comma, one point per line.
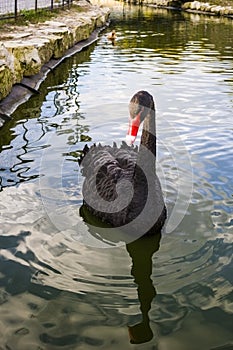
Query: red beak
x=134, y=124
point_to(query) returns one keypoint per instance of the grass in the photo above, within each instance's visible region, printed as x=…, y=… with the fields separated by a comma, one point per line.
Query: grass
x=31, y=16
x=41, y=15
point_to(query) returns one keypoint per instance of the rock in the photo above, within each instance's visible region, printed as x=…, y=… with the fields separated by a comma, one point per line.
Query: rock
x=61, y=39
x=198, y=5
x=6, y=71
x=44, y=47
x=25, y=57
x=6, y=79
x=206, y=7
x=186, y=6
x=214, y=9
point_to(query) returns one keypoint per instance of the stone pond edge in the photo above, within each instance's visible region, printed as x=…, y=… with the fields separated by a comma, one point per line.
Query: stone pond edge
x=25, y=63
x=192, y=6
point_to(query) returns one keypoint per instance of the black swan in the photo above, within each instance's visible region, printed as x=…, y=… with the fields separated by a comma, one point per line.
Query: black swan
x=121, y=186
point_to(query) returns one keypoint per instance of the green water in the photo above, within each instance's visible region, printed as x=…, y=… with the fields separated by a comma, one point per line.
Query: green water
x=61, y=285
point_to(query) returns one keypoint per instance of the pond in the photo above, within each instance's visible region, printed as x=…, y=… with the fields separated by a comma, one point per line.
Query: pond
x=63, y=286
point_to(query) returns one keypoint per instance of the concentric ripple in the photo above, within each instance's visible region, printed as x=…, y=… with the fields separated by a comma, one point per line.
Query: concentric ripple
x=58, y=287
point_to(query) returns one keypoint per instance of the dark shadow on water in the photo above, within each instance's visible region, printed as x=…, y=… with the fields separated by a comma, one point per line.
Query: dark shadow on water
x=141, y=252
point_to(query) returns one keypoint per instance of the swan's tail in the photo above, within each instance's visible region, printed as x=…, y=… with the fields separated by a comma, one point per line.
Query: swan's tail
x=84, y=152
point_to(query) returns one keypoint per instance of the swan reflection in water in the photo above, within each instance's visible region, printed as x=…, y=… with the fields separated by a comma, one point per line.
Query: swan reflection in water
x=141, y=252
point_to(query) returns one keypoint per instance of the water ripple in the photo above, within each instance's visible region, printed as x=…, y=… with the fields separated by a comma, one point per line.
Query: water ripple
x=55, y=275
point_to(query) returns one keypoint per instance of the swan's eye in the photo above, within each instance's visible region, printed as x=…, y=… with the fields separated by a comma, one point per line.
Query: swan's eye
x=135, y=109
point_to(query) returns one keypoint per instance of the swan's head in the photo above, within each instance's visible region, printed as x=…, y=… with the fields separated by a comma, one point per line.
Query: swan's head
x=140, y=106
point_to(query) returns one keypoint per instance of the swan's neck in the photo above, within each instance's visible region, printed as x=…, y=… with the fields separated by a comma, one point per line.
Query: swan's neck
x=148, y=138
x=147, y=153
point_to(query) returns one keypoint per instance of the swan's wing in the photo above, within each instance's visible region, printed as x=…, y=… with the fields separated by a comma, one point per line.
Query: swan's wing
x=112, y=162
x=109, y=198
x=104, y=192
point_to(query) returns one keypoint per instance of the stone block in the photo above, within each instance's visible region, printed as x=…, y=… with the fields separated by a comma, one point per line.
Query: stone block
x=6, y=71
x=25, y=57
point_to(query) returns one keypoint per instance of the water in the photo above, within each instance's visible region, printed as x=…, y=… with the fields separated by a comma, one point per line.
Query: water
x=61, y=285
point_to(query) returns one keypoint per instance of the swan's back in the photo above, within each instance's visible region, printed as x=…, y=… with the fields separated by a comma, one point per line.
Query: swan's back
x=108, y=172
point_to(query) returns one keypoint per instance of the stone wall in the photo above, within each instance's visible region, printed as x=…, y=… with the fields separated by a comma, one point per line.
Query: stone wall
x=205, y=7
x=191, y=6
x=24, y=50
x=165, y=3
